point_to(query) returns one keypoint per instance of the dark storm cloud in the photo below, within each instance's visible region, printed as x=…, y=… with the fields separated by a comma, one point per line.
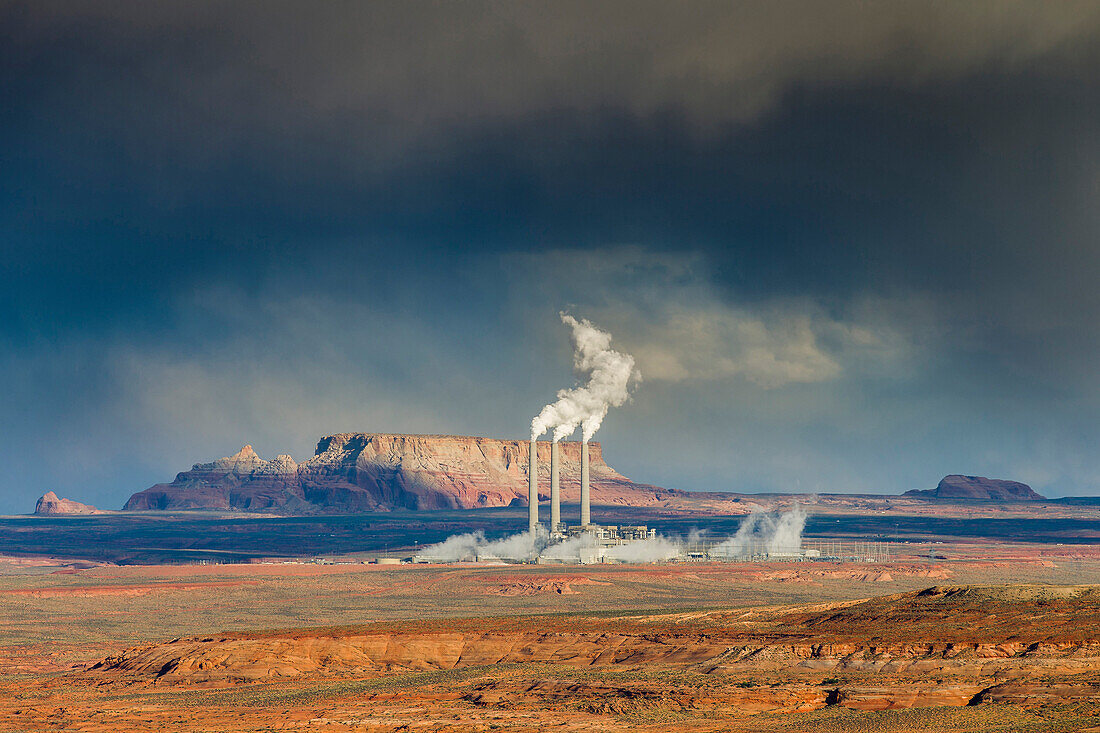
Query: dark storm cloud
x=230, y=220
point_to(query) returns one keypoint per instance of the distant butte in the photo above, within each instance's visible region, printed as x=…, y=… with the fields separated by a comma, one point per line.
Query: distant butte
x=50, y=505
x=976, y=488
x=362, y=472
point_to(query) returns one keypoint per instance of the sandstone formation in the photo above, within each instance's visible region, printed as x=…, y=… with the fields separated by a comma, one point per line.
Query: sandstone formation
x=976, y=488
x=694, y=647
x=943, y=646
x=50, y=505
x=359, y=472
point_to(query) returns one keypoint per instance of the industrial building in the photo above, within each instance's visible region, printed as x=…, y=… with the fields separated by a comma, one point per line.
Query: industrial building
x=600, y=536
x=587, y=542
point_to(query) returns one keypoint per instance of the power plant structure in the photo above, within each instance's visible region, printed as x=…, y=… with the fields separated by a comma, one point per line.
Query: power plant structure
x=533, y=489
x=600, y=539
x=586, y=504
x=758, y=550
x=604, y=380
x=600, y=536
x=586, y=542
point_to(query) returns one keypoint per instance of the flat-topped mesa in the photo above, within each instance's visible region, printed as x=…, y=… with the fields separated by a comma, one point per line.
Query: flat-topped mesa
x=355, y=472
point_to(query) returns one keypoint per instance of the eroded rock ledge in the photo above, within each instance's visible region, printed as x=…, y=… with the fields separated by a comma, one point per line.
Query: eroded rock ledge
x=946, y=645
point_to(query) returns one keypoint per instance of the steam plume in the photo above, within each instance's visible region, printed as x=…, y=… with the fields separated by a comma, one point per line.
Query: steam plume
x=652, y=549
x=570, y=550
x=739, y=542
x=607, y=373
x=786, y=536
x=471, y=546
x=765, y=533
x=759, y=533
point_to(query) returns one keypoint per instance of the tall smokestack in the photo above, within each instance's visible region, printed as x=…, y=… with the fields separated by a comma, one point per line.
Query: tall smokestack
x=586, y=508
x=533, y=488
x=555, y=487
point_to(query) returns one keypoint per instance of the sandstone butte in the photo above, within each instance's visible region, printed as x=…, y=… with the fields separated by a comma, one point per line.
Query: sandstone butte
x=49, y=504
x=976, y=488
x=357, y=472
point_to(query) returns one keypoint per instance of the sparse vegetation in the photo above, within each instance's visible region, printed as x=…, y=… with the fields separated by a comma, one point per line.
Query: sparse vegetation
x=55, y=621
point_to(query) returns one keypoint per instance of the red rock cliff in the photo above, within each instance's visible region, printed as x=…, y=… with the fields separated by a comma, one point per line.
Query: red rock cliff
x=354, y=472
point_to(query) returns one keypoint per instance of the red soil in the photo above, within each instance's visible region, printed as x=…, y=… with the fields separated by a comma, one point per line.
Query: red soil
x=120, y=590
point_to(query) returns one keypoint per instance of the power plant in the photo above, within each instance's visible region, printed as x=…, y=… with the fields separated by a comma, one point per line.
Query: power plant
x=761, y=537
x=586, y=499
x=597, y=536
x=607, y=376
x=533, y=490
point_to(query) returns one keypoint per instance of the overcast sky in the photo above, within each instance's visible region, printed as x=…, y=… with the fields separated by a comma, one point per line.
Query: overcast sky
x=853, y=246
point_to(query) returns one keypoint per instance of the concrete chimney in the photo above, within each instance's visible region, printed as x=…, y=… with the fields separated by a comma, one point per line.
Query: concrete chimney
x=533, y=488
x=555, y=486
x=586, y=508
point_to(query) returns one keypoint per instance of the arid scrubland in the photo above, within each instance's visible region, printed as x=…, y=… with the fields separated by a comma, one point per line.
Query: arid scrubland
x=695, y=647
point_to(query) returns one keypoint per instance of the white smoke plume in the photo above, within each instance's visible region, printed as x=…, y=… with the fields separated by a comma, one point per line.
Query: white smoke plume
x=738, y=544
x=607, y=374
x=696, y=535
x=523, y=547
x=760, y=533
x=765, y=533
x=473, y=545
x=570, y=550
x=456, y=548
x=653, y=549
x=786, y=535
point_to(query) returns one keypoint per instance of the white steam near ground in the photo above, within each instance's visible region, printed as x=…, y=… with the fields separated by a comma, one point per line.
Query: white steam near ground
x=760, y=533
x=607, y=374
x=765, y=534
x=472, y=545
x=569, y=550
x=653, y=549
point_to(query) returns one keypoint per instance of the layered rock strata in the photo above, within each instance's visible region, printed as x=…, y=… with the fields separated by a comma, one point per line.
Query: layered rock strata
x=356, y=472
x=943, y=646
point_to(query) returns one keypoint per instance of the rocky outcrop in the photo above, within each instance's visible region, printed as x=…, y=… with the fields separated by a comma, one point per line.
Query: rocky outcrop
x=361, y=472
x=976, y=488
x=51, y=505
x=240, y=481
x=953, y=645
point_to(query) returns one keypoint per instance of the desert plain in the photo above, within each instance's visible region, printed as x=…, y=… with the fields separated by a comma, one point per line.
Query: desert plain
x=998, y=637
